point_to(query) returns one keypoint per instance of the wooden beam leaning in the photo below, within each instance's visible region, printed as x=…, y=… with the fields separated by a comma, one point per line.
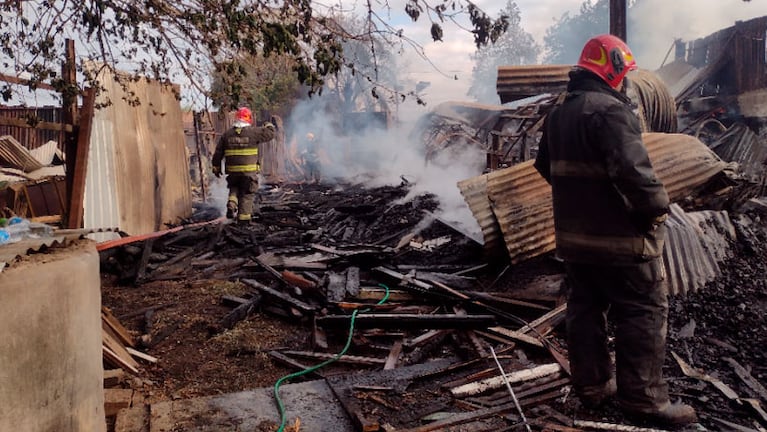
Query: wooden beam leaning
x=298, y=304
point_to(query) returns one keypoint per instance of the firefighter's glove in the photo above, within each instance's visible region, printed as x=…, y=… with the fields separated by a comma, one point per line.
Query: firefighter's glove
x=269, y=125
x=217, y=171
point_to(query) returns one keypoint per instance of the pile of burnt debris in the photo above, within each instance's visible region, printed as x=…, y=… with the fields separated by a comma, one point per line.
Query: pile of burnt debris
x=437, y=320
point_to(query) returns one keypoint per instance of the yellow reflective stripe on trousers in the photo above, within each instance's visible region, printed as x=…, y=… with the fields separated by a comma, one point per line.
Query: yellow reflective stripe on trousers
x=564, y=168
x=241, y=152
x=617, y=245
x=242, y=168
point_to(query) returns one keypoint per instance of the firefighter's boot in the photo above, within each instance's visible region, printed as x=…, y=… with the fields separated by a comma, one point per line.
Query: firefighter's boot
x=672, y=414
x=231, y=208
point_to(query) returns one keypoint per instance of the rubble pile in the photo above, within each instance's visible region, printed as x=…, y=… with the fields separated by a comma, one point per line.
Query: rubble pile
x=433, y=311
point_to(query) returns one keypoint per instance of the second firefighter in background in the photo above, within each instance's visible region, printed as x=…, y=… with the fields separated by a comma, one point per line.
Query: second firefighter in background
x=238, y=149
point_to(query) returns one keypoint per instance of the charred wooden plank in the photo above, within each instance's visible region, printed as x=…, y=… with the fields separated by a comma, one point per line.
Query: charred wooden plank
x=435, y=321
x=224, y=264
x=145, y=254
x=233, y=301
x=747, y=378
x=546, y=322
x=462, y=418
x=285, y=360
x=516, y=336
x=489, y=297
x=367, y=293
x=298, y=304
x=396, y=351
x=241, y=312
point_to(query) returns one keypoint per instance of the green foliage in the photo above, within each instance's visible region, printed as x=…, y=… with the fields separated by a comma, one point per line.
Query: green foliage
x=514, y=47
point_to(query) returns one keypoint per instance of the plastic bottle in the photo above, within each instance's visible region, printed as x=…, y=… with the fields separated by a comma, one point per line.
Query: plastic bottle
x=40, y=230
x=17, y=230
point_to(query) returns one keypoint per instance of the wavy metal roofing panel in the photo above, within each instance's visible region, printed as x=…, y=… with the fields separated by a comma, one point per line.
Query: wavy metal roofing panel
x=517, y=82
x=14, y=155
x=520, y=199
x=740, y=144
x=697, y=242
x=474, y=191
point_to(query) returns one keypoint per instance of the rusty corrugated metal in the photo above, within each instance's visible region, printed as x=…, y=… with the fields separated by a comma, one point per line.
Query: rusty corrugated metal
x=518, y=82
x=138, y=168
x=474, y=191
x=520, y=198
x=697, y=242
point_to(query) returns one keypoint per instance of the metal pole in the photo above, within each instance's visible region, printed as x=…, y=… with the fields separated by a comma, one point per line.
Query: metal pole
x=618, y=18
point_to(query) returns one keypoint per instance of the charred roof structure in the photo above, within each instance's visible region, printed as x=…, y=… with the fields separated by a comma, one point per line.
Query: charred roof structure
x=719, y=83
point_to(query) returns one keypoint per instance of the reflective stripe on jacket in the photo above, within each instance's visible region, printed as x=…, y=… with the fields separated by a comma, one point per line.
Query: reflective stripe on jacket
x=238, y=148
x=604, y=190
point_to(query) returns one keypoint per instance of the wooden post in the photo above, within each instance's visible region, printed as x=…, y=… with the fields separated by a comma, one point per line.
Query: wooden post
x=618, y=19
x=79, y=159
x=69, y=115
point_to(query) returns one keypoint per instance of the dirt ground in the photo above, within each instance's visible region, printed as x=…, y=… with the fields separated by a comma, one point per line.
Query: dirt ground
x=197, y=357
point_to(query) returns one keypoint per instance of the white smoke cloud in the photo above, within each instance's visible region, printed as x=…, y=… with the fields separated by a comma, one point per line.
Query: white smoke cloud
x=377, y=156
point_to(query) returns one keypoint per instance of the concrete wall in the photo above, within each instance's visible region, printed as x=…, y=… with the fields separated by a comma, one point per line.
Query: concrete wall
x=51, y=373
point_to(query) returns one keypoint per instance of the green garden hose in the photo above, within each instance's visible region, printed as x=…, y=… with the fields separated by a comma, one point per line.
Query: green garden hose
x=280, y=405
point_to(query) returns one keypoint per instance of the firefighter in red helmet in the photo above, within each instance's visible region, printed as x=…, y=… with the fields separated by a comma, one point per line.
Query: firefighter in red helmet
x=609, y=213
x=238, y=148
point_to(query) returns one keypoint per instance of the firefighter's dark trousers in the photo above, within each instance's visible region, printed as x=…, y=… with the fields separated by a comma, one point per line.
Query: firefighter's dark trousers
x=637, y=298
x=242, y=194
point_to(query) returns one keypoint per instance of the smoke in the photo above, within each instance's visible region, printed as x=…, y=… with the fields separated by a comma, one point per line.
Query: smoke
x=361, y=149
x=218, y=194
x=655, y=24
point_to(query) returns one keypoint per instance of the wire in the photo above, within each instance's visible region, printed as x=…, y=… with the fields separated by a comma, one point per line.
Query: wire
x=280, y=405
x=508, y=385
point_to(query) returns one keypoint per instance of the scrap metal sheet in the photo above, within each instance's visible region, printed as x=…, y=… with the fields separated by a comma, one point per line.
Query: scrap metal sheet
x=520, y=199
x=138, y=169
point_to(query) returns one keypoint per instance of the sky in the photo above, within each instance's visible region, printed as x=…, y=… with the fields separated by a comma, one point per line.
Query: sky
x=665, y=20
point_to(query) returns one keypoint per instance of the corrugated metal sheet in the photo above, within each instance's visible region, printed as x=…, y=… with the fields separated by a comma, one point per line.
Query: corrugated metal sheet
x=9, y=252
x=740, y=144
x=517, y=82
x=520, y=199
x=697, y=242
x=63, y=237
x=474, y=191
x=46, y=152
x=14, y=155
x=138, y=169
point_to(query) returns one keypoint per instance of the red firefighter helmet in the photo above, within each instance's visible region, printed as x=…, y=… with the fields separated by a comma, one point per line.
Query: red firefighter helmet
x=244, y=114
x=609, y=57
